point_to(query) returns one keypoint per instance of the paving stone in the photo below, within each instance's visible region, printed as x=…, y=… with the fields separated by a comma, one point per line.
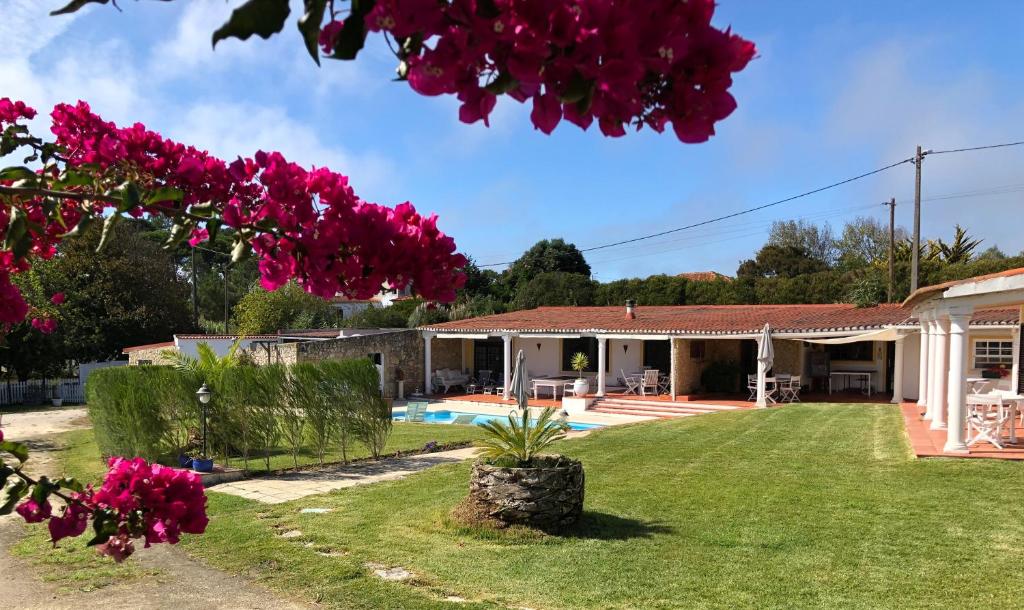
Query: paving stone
x=315, y=511
x=393, y=574
x=291, y=534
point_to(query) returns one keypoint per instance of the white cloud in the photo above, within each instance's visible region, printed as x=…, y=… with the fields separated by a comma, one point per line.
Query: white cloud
x=26, y=27
x=190, y=46
x=232, y=129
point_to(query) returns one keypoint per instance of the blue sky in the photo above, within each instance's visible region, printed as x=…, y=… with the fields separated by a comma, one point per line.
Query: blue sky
x=839, y=88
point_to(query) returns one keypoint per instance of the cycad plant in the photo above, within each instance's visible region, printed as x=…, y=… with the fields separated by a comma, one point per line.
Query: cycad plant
x=517, y=442
x=579, y=363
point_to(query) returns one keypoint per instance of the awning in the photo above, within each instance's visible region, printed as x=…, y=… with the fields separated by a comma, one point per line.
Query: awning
x=886, y=334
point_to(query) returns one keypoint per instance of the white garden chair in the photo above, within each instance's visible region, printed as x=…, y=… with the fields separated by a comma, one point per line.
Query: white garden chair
x=791, y=390
x=752, y=387
x=631, y=382
x=987, y=415
x=650, y=380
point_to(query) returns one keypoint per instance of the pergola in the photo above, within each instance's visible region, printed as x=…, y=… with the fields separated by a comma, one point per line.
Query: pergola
x=944, y=312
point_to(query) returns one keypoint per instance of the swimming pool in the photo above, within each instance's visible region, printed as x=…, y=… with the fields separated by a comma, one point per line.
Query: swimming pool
x=461, y=417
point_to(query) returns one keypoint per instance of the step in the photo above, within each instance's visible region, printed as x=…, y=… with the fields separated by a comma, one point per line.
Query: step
x=640, y=413
x=664, y=406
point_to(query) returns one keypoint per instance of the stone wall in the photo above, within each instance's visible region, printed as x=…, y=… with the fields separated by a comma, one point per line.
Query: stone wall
x=690, y=366
x=150, y=356
x=400, y=350
x=788, y=357
x=274, y=353
x=446, y=354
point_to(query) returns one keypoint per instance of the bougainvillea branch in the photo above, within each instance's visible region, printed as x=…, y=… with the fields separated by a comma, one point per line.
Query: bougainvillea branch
x=135, y=500
x=304, y=224
x=622, y=63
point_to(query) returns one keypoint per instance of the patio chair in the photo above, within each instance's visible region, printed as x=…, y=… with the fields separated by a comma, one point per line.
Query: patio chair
x=631, y=383
x=664, y=384
x=568, y=389
x=752, y=387
x=650, y=380
x=987, y=415
x=790, y=390
x=414, y=411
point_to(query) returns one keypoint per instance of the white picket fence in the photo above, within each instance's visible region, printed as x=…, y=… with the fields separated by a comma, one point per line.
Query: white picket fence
x=39, y=391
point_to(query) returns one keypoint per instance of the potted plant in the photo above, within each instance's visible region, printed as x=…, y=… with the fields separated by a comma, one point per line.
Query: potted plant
x=202, y=464
x=55, y=398
x=513, y=482
x=579, y=363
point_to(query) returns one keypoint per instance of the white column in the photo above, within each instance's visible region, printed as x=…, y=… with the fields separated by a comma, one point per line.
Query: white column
x=933, y=346
x=427, y=370
x=922, y=383
x=602, y=359
x=958, y=325
x=507, y=353
x=897, y=372
x=1015, y=381
x=672, y=349
x=941, y=371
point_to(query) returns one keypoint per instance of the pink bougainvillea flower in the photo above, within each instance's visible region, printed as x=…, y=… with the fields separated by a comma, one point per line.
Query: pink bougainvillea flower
x=118, y=547
x=329, y=36
x=44, y=325
x=198, y=237
x=547, y=112
x=72, y=522
x=57, y=298
x=32, y=512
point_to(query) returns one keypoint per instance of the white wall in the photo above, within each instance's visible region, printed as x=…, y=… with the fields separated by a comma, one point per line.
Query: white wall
x=630, y=360
x=542, y=362
x=911, y=366
x=219, y=345
x=86, y=368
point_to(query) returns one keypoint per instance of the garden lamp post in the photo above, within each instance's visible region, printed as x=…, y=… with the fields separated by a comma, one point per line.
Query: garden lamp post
x=204, y=395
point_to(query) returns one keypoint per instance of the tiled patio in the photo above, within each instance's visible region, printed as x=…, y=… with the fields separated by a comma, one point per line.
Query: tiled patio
x=926, y=442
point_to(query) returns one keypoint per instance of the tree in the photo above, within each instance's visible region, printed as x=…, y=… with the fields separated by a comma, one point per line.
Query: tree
x=780, y=261
x=865, y=241
x=127, y=294
x=555, y=288
x=962, y=248
x=817, y=242
x=261, y=312
x=624, y=63
x=545, y=256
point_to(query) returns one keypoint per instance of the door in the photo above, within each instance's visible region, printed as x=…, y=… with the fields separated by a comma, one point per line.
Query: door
x=489, y=355
x=377, y=359
x=658, y=355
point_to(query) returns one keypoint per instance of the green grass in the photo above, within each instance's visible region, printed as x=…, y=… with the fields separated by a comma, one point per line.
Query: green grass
x=801, y=506
x=404, y=437
x=73, y=566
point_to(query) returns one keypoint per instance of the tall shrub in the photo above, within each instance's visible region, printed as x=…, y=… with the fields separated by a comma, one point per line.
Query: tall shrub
x=367, y=413
x=126, y=413
x=307, y=389
x=269, y=396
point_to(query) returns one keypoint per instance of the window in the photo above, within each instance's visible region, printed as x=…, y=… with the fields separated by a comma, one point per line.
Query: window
x=993, y=354
x=697, y=350
x=145, y=362
x=861, y=350
x=587, y=345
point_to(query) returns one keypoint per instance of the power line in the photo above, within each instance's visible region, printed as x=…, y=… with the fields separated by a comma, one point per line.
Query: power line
x=781, y=201
x=734, y=214
x=990, y=146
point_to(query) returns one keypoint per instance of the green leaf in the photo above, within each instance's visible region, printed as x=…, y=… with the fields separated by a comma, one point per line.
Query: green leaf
x=577, y=90
x=17, y=173
x=164, y=194
x=309, y=26
x=202, y=209
x=105, y=526
x=261, y=17
x=14, y=493
x=18, y=450
x=17, y=232
x=108, y=230
x=213, y=226
x=74, y=5
x=239, y=251
x=503, y=84
x=130, y=197
x=84, y=223
x=5, y=472
x=42, y=490
x=70, y=483
x=353, y=33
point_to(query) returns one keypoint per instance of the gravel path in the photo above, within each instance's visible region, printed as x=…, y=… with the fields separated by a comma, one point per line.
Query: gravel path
x=182, y=582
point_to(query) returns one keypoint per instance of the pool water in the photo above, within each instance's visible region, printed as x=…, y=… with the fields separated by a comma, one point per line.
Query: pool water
x=452, y=417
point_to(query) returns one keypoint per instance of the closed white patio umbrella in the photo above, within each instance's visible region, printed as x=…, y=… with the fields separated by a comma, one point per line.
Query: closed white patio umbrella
x=765, y=359
x=519, y=389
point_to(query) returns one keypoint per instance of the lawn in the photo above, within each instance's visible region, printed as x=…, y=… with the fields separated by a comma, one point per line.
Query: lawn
x=801, y=506
x=74, y=566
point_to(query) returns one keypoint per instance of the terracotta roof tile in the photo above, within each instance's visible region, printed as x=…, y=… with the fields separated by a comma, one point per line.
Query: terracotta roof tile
x=925, y=292
x=701, y=319
x=135, y=348
x=704, y=276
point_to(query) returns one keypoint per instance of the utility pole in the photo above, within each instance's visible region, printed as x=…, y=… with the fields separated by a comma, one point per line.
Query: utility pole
x=226, y=298
x=915, y=255
x=195, y=292
x=892, y=247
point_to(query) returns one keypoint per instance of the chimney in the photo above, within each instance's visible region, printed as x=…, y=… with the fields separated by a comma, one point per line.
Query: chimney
x=630, y=305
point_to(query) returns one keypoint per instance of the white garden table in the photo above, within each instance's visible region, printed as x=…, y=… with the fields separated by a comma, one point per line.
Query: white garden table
x=850, y=376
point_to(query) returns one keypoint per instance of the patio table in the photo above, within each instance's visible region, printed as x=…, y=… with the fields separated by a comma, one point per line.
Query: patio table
x=555, y=383
x=850, y=376
x=1015, y=401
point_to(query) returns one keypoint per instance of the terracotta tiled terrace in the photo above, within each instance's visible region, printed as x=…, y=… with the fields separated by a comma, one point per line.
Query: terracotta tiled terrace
x=926, y=442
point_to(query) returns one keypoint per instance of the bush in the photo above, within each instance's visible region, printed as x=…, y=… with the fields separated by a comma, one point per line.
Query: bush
x=367, y=414
x=720, y=377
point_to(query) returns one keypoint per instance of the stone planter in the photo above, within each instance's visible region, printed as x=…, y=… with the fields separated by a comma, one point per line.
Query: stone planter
x=548, y=496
